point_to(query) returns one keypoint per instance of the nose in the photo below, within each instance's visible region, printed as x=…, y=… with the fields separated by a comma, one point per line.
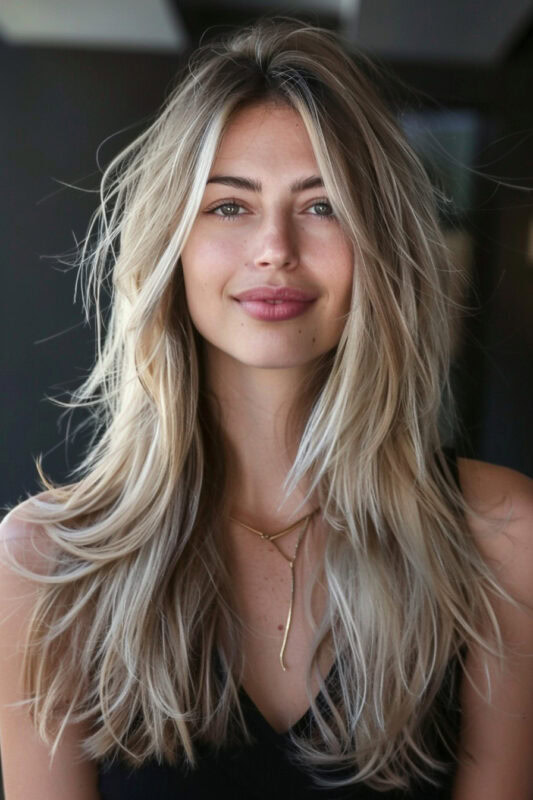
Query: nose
x=276, y=244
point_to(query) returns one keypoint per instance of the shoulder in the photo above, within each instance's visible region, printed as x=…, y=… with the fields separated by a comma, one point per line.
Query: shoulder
x=488, y=484
x=24, y=540
x=497, y=696
x=26, y=758
x=502, y=523
x=21, y=557
x=503, y=499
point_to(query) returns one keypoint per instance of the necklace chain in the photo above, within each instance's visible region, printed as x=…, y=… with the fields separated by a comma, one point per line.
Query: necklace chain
x=291, y=561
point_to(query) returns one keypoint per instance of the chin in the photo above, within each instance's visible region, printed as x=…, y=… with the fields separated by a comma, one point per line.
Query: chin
x=272, y=362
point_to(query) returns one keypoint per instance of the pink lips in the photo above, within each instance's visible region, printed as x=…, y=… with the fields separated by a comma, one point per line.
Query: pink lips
x=275, y=293
x=275, y=303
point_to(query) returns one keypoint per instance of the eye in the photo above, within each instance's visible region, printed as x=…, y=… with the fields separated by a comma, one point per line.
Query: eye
x=322, y=208
x=228, y=210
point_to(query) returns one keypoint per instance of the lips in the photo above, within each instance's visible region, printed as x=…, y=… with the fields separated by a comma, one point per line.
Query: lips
x=276, y=294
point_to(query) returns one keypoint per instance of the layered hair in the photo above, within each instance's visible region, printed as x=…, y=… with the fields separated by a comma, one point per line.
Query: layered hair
x=134, y=629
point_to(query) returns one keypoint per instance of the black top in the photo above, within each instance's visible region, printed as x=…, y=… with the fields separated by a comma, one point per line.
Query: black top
x=263, y=769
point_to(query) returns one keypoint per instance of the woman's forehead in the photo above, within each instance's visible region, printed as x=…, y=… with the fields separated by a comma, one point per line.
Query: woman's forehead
x=265, y=136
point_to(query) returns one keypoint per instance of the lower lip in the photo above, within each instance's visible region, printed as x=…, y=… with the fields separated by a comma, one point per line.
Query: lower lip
x=275, y=312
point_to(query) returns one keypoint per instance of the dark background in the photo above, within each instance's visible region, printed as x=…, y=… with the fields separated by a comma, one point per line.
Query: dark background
x=62, y=102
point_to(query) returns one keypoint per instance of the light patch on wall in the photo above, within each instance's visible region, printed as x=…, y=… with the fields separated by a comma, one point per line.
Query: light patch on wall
x=115, y=25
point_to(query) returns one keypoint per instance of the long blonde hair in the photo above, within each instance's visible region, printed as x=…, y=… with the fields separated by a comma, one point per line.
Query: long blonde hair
x=130, y=613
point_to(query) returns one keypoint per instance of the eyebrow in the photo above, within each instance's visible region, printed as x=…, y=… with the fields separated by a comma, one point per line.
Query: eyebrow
x=251, y=185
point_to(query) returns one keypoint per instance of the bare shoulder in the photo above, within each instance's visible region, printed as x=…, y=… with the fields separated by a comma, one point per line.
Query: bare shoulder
x=27, y=545
x=497, y=698
x=491, y=486
x=26, y=541
x=503, y=498
x=26, y=765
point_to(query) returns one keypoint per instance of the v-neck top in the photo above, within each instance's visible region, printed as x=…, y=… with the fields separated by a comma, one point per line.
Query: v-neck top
x=264, y=768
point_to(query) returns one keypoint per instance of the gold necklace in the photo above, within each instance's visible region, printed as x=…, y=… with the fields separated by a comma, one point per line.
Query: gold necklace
x=291, y=561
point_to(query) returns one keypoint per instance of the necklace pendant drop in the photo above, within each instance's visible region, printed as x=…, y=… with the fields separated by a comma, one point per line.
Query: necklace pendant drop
x=291, y=562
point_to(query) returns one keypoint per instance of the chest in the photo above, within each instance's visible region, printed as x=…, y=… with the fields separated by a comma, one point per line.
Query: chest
x=266, y=589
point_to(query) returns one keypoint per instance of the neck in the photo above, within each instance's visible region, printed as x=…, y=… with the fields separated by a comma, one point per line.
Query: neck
x=256, y=409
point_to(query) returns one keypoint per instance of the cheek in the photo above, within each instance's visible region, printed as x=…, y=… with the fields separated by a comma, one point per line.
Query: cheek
x=336, y=263
x=342, y=279
x=208, y=262
x=346, y=258
x=208, y=265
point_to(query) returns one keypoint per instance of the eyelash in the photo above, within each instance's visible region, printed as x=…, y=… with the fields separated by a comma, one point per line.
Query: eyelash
x=232, y=217
x=226, y=217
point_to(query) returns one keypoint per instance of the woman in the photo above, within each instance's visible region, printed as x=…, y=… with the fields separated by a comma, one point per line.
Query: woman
x=268, y=575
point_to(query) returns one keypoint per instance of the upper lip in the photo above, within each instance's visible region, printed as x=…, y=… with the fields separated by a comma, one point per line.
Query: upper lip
x=276, y=293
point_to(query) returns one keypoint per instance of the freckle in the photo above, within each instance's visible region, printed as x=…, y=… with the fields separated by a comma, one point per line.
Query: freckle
x=314, y=340
x=299, y=330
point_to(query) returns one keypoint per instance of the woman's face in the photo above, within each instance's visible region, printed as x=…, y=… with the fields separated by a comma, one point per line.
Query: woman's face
x=265, y=222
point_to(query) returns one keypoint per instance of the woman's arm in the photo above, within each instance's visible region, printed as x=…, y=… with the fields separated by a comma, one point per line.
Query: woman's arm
x=25, y=759
x=496, y=747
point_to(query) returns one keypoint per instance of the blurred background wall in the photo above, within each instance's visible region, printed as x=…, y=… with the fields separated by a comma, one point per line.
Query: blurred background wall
x=79, y=80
